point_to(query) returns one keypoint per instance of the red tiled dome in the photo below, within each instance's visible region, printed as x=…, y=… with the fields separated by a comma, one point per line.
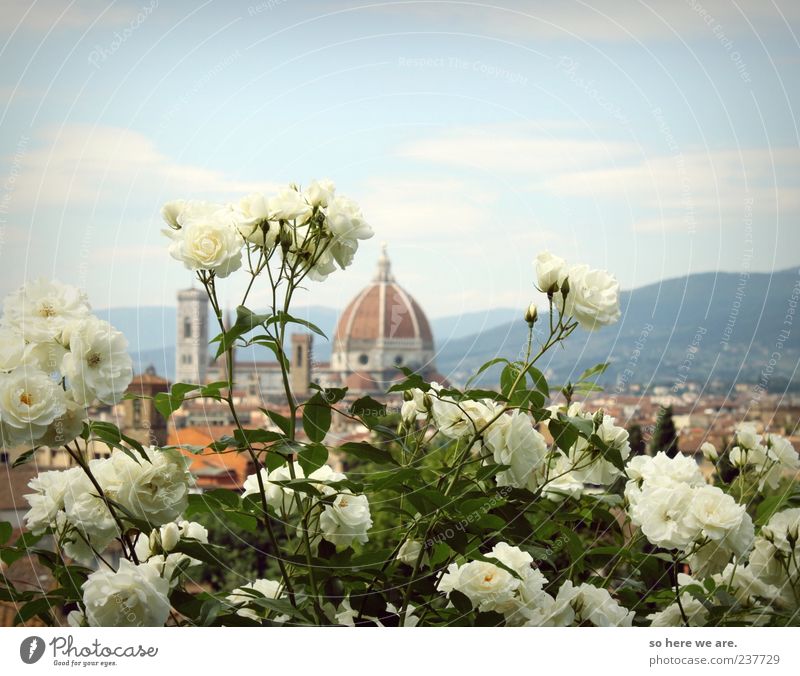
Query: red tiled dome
x=384, y=311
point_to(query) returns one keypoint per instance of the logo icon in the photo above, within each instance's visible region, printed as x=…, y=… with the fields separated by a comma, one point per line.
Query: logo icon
x=31, y=649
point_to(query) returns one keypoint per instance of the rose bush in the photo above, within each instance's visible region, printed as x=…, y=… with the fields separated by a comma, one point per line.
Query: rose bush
x=516, y=506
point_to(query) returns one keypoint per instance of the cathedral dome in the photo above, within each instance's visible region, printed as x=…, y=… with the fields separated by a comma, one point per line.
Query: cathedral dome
x=382, y=327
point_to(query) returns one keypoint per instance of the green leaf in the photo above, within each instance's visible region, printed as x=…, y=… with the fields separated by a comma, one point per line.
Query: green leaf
x=369, y=410
x=111, y=436
x=610, y=453
x=246, y=321
x=413, y=381
x=392, y=478
x=167, y=403
x=365, y=451
x=564, y=434
x=312, y=457
x=595, y=370
x=5, y=532
x=508, y=378
x=282, y=317
x=539, y=381
x=462, y=604
x=488, y=364
x=281, y=421
x=224, y=497
x=316, y=418
x=24, y=457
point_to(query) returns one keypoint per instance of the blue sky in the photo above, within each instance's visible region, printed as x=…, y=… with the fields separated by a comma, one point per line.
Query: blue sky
x=650, y=138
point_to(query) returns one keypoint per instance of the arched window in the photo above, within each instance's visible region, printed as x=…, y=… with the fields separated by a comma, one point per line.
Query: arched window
x=187, y=327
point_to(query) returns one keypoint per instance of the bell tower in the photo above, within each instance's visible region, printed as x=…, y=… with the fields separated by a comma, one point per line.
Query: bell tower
x=191, y=349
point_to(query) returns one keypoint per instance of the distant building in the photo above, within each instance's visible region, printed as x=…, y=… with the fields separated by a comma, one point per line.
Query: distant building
x=191, y=349
x=382, y=328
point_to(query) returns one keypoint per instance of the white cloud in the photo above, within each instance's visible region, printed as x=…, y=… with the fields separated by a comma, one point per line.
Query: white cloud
x=408, y=208
x=78, y=164
x=696, y=189
x=516, y=149
x=652, y=192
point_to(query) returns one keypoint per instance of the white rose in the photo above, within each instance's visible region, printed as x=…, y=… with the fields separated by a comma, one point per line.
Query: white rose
x=12, y=348
x=661, y=513
x=191, y=530
x=134, y=596
x=241, y=597
x=97, y=365
x=409, y=552
x=781, y=459
x=532, y=605
x=29, y=401
x=156, y=491
x=714, y=513
x=551, y=271
x=168, y=565
x=738, y=457
x=747, y=437
x=325, y=475
x=86, y=511
x=40, y=309
x=251, y=216
x=414, y=408
x=486, y=585
x=783, y=527
x=594, y=605
x=513, y=557
x=171, y=212
x=47, y=500
x=671, y=616
x=346, y=519
x=516, y=443
x=562, y=482
x=456, y=420
x=661, y=470
x=320, y=193
x=66, y=427
x=746, y=587
x=347, y=225
x=593, y=298
x=289, y=205
x=207, y=241
x=280, y=498
x=709, y=451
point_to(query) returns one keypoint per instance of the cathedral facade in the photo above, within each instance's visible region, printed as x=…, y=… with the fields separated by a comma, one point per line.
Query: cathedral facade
x=381, y=328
